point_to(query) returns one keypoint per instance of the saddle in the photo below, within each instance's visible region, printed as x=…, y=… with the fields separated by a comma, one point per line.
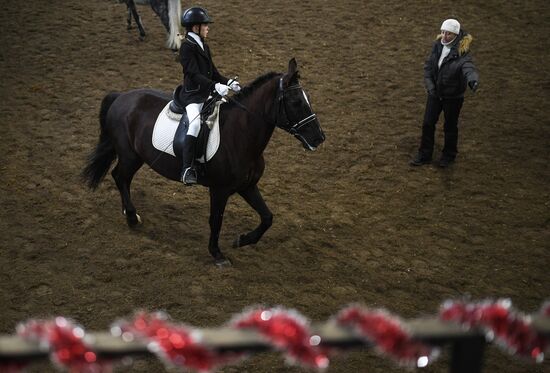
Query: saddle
x=208, y=114
x=176, y=106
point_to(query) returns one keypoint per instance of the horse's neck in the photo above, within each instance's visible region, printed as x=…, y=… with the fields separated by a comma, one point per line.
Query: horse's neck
x=262, y=116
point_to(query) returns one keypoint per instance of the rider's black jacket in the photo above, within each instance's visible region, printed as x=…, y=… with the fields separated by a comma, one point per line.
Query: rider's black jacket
x=199, y=72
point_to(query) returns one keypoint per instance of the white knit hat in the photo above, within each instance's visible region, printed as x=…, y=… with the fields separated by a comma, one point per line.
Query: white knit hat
x=451, y=25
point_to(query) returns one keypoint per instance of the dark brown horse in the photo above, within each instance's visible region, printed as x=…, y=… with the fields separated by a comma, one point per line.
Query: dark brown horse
x=246, y=125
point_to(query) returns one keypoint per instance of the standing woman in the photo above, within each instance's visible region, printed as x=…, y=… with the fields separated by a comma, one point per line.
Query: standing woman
x=200, y=79
x=447, y=71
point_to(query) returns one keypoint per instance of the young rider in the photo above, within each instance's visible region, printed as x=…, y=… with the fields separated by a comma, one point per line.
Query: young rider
x=200, y=79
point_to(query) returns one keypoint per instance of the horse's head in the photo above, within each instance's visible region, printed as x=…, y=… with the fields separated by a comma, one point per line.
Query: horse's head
x=295, y=114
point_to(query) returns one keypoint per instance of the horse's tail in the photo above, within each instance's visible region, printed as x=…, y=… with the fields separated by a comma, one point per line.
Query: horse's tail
x=100, y=160
x=174, y=15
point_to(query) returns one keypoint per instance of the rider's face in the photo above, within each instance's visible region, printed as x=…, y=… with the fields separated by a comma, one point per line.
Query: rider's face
x=201, y=30
x=204, y=28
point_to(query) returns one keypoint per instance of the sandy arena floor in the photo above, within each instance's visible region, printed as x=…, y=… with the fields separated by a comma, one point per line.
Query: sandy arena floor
x=353, y=222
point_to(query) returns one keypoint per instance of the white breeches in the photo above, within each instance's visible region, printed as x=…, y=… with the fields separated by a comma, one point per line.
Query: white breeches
x=193, y=113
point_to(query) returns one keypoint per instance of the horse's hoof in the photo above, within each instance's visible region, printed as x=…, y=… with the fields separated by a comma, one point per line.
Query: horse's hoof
x=243, y=240
x=223, y=263
x=132, y=221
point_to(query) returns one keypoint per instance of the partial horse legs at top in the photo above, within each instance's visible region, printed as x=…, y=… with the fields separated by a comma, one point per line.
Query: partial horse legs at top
x=169, y=12
x=132, y=12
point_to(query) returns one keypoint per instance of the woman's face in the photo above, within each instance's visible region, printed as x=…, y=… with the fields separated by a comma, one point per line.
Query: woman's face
x=204, y=28
x=447, y=36
x=201, y=30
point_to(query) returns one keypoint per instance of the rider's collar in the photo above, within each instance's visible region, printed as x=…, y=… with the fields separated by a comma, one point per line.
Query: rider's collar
x=197, y=38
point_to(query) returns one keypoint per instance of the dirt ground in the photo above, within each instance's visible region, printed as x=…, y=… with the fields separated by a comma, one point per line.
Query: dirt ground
x=353, y=221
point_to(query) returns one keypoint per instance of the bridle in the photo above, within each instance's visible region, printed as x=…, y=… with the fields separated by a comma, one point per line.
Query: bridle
x=292, y=127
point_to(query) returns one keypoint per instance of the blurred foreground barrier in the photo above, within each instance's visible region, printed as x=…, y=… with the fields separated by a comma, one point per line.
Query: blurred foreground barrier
x=465, y=327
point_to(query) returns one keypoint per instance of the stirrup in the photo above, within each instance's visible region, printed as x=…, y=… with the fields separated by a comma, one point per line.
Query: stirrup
x=189, y=176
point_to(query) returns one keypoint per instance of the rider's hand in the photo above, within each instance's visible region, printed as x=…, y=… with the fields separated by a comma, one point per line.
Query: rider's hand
x=473, y=85
x=222, y=89
x=235, y=86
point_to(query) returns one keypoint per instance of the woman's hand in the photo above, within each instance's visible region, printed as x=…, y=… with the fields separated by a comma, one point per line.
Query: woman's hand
x=235, y=86
x=222, y=89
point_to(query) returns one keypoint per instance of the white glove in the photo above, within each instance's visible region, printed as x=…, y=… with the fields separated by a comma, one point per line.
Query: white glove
x=222, y=89
x=235, y=86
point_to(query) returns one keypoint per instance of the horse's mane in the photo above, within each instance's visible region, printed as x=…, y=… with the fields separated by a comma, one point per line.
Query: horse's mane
x=258, y=82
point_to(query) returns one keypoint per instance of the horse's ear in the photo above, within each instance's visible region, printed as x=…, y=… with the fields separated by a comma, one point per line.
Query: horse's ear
x=292, y=66
x=292, y=73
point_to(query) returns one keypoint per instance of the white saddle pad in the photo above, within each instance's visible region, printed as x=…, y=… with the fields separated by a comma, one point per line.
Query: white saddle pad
x=167, y=124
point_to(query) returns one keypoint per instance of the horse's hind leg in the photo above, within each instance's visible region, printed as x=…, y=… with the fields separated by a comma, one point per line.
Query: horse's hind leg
x=254, y=198
x=160, y=7
x=123, y=174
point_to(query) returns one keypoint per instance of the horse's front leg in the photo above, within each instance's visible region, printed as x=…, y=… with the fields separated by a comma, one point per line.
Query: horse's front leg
x=254, y=198
x=132, y=11
x=128, y=17
x=218, y=201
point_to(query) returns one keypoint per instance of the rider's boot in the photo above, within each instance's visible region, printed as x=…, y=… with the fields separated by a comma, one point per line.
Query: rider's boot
x=188, y=173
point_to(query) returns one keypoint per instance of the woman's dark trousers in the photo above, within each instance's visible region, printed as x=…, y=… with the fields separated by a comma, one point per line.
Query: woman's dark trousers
x=451, y=110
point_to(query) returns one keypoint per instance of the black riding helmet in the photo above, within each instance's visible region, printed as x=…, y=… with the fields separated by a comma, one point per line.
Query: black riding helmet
x=194, y=16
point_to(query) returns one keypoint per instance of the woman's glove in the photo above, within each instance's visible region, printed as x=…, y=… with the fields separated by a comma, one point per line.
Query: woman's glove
x=235, y=86
x=222, y=89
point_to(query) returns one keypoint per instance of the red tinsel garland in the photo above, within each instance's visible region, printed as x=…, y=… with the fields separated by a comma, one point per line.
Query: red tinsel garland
x=388, y=335
x=177, y=345
x=500, y=322
x=65, y=340
x=286, y=330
